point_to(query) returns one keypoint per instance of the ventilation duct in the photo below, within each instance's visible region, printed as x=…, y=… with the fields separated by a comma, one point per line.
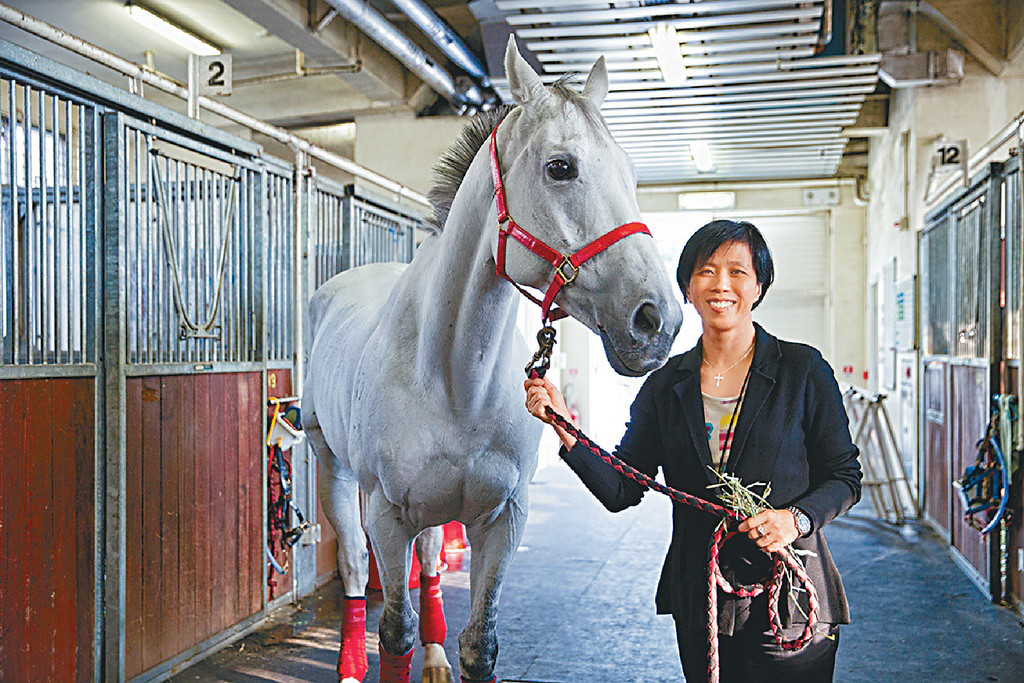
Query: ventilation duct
x=380, y=30
x=444, y=38
x=936, y=67
x=902, y=66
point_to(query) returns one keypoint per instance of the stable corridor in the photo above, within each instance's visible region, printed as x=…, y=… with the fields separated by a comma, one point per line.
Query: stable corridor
x=578, y=606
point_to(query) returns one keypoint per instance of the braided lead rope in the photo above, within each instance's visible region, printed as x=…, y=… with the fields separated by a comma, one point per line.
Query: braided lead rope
x=715, y=579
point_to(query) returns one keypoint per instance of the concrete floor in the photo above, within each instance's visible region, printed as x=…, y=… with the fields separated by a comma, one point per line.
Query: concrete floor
x=578, y=605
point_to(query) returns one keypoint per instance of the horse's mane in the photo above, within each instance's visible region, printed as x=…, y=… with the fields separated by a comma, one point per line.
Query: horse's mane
x=453, y=164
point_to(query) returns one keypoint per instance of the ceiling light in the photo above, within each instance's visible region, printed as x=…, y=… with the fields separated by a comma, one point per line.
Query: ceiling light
x=666, y=49
x=171, y=32
x=701, y=152
x=706, y=201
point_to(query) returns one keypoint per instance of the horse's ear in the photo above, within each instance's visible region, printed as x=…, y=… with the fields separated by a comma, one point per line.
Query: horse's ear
x=596, y=88
x=523, y=81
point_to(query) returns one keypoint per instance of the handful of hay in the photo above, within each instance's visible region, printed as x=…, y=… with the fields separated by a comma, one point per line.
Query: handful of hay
x=747, y=501
x=739, y=498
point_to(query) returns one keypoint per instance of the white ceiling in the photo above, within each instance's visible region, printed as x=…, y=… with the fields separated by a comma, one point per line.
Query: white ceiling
x=755, y=91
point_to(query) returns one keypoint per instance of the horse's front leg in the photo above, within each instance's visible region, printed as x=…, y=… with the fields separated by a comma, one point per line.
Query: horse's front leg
x=392, y=540
x=433, y=628
x=493, y=545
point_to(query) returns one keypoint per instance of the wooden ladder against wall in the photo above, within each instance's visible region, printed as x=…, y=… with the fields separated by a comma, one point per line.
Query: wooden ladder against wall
x=885, y=476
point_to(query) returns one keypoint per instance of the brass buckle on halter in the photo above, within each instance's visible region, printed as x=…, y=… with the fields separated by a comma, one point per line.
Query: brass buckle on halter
x=561, y=273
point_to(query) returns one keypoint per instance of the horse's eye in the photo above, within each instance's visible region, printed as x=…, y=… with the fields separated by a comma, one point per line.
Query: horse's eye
x=560, y=169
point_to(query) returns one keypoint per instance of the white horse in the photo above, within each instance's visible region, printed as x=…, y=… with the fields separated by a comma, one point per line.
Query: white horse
x=414, y=383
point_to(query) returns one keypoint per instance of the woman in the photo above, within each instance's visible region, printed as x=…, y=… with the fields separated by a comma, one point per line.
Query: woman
x=745, y=403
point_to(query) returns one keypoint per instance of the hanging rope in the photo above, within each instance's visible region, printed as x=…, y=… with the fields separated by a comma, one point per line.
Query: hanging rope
x=186, y=327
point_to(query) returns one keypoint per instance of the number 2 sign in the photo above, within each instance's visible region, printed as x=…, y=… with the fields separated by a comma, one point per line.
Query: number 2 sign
x=215, y=75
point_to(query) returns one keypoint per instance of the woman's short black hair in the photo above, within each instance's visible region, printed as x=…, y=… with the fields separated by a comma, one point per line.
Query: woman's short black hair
x=706, y=241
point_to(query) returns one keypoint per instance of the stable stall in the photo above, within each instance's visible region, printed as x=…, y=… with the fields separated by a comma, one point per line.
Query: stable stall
x=969, y=301
x=155, y=271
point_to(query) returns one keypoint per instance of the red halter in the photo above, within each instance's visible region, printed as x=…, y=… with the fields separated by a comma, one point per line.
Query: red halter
x=567, y=267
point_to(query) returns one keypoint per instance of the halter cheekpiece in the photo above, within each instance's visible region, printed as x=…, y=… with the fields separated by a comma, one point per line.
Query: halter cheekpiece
x=567, y=266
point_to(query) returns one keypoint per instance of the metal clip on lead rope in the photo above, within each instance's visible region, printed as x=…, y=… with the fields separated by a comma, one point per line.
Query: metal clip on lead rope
x=541, y=361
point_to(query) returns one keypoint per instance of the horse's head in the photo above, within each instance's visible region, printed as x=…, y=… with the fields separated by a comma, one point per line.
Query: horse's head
x=568, y=183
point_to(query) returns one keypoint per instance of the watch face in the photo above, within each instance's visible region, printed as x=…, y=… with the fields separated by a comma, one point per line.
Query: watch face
x=803, y=522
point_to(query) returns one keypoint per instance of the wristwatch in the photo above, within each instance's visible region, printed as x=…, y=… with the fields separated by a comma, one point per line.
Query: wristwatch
x=803, y=522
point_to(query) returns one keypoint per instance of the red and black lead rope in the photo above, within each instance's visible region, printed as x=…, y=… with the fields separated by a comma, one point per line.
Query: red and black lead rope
x=780, y=560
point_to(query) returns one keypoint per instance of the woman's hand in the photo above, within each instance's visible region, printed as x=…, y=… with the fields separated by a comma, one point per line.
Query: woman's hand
x=541, y=394
x=771, y=530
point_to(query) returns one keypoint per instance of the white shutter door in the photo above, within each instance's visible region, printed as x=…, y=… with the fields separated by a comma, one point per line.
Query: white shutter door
x=796, y=306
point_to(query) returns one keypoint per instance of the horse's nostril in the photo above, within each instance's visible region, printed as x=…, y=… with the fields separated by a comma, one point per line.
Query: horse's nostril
x=647, y=319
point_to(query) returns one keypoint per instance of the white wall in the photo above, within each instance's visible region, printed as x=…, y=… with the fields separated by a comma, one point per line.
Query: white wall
x=404, y=147
x=975, y=110
x=847, y=261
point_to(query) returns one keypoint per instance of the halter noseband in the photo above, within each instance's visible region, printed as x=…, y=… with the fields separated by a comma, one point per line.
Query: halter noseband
x=567, y=266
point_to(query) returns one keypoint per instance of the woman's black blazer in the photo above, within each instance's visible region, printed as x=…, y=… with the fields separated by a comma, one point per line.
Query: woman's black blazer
x=792, y=431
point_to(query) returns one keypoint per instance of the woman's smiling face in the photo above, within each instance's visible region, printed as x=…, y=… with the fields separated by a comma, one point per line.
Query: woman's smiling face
x=724, y=289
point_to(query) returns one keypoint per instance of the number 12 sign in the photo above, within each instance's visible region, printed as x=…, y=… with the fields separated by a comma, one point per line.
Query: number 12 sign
x=215, y=75
x=951, y=155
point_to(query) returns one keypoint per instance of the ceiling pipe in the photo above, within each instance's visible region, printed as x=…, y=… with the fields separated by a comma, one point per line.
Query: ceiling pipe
x=444, y=38
x=380, y=30
x=826, y=28
x=60, y=37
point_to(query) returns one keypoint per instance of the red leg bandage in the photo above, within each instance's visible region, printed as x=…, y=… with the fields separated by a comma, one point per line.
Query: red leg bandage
x=395, y=668
x=433, y=628
x=352, y=658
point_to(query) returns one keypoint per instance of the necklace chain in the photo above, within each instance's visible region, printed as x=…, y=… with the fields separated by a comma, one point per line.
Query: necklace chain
x=721, y=373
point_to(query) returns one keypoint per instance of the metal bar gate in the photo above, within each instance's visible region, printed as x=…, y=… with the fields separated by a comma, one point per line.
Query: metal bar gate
x=49, y=155
x=155, y=272
x=962, y=330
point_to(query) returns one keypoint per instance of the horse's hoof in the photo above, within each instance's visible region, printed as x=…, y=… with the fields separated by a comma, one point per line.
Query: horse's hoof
x=438, y=674
x=436, y=668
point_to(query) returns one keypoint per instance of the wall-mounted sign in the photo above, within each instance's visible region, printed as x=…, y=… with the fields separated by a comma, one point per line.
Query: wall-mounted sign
x=950, y=155
x=215, y=75
x=904, y=315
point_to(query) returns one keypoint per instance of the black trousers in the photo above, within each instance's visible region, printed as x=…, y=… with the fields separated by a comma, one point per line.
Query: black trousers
x=751, y=655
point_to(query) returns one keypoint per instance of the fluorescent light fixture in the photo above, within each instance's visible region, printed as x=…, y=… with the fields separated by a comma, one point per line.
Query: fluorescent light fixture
x=701, y=152
x=161, y=26
x=706, y=201
x=666, y=49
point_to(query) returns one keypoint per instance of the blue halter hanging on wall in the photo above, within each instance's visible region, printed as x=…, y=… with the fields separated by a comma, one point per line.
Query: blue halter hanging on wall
x=984, y=488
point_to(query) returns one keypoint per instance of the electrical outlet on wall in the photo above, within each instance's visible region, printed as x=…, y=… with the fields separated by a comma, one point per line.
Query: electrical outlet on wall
x=821, y=196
